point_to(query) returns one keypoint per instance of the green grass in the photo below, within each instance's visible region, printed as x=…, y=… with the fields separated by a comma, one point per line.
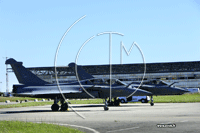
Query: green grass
x=13, y=99
x=29, y=127
x=186, y=98
x=89, y=101
x=27, y=104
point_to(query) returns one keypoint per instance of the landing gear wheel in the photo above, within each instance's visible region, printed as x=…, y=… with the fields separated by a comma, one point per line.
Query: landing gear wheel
x=106, y=108
x=106, y=105
x=151, y=101
x=55, y=107
x=152, y=104
x=64, y=107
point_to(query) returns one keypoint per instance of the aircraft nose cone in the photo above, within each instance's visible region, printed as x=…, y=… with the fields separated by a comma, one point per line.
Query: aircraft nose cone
x=185, y=91
x=180, y=90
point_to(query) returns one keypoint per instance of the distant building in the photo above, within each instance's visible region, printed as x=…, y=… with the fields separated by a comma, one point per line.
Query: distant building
x=186, y=74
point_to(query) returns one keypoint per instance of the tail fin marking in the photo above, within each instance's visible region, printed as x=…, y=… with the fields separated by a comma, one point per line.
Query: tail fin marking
x=82, y=74
x=23, y=75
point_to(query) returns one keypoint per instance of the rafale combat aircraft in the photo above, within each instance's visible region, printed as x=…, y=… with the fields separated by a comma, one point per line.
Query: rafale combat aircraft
x=159, y=87
x=87, y=86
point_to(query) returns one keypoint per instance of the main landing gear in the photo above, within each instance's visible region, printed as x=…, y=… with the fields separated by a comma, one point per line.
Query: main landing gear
x=151, y=103
x=55, y=106
x=64, y=106
x=116, y=102
x=106, y=105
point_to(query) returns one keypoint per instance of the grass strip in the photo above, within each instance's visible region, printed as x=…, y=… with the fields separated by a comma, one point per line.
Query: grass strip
x=28, y=104
x=186, y=98
x=13, y=99
x=88, y=101
x=29, y=127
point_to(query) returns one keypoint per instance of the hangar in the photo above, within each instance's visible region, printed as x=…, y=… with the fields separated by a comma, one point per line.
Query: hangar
x=186, y=74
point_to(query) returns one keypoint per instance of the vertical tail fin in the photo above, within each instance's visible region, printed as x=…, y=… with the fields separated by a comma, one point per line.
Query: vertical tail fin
x=23, y=75
x=82, y=74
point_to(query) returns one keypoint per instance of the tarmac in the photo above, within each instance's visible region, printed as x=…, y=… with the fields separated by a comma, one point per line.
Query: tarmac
x=138, y=117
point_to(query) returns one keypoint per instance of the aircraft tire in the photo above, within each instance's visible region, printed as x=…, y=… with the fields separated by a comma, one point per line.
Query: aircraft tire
x=106, y=108
x=55, y=107
x=152, y=104
x=64, y=107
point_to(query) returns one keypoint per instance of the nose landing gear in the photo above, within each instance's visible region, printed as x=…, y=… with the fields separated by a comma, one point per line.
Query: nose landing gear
x=106, y=105
x=64, y=105
x=151, y=103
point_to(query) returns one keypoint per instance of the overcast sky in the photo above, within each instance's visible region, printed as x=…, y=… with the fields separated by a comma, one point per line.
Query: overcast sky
x=30, y=31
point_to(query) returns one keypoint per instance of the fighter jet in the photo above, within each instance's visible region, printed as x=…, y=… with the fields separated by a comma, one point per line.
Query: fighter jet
x=86, y=87
x=159, y=87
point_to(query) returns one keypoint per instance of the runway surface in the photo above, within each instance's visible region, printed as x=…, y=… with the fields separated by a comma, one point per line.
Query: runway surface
x=125, y=118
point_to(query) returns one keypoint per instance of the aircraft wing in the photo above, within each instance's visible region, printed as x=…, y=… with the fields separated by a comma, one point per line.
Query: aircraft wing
x=54, y=92
x=45, y=90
